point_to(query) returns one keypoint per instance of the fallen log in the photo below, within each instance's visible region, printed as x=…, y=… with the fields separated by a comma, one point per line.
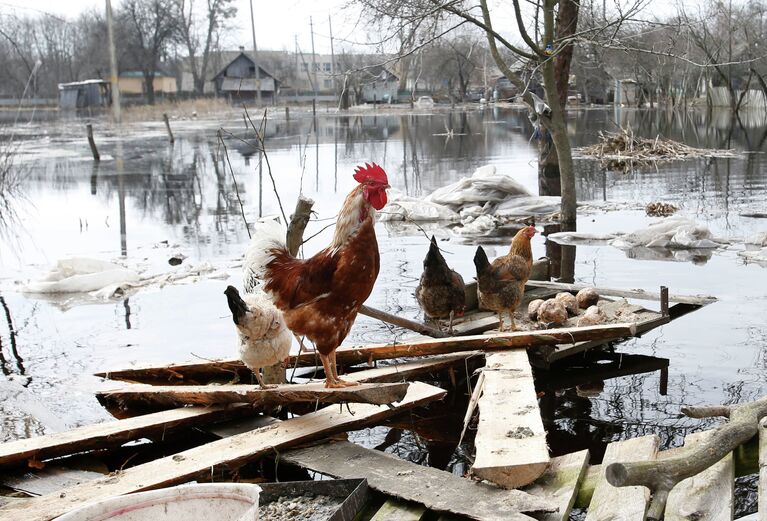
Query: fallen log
x=662, y=476
x=229, y=453
x=436, y=346
x=182, y=395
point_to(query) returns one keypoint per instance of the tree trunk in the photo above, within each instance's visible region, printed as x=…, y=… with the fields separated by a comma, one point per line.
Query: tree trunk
x=556, y=75
x=149, y=86
x=549, y=181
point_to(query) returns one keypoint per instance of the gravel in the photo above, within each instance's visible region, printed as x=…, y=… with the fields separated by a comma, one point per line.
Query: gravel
x=307, y=507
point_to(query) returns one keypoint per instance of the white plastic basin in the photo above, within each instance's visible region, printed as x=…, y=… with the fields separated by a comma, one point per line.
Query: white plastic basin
x=196, y=502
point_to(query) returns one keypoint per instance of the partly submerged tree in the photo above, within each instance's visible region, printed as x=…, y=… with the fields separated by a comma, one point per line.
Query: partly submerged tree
x=149, y=25
x=196, y=29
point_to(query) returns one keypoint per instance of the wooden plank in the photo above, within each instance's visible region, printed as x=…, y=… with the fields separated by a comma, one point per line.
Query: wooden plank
x=110, y=434
x=51, y=479
x=394, y=510
x=203, y=372
x=178, y=396
x=762, y=491
x=560, y=483
x=353, y=355
x=229, y=453
x=407, y=371
x=640, y=294
x=510, y=442
x=707, y=496
x=433, y=488
x=609, y=503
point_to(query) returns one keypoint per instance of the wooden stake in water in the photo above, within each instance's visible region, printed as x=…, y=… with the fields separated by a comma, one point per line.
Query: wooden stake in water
x=167, y=127
x=92, y=143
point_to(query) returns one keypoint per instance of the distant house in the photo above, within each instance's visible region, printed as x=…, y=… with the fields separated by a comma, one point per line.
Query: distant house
x=237, y=80
x=380, y=86
x=132, y=82
x=85, y=94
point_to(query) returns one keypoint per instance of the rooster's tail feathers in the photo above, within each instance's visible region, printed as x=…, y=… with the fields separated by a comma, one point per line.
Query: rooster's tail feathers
x=267, y=237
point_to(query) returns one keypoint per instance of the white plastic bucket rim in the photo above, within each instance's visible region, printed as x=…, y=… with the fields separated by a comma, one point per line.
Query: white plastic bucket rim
x=115, y=506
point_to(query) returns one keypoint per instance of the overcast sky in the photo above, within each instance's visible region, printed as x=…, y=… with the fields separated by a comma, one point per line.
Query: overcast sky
x=279, y=22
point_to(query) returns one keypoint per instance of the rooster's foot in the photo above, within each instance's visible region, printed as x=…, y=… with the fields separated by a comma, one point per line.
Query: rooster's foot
x=338, y=384
x=268, y=386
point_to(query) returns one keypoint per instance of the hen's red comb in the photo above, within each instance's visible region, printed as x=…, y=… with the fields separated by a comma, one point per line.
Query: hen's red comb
x=370, y=173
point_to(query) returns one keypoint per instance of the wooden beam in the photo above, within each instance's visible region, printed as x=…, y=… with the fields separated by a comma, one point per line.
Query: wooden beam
x=406, y=371
x=181, y=395
x=110, y=434
x=560, y=483
x=435, y=489
x=640, y=294
x=622, y=503
x=406, y=323
x=436, y=346
x=510, y=439
x=707, y=495
x=187, y=373
x=394, y=510
x=229, y=453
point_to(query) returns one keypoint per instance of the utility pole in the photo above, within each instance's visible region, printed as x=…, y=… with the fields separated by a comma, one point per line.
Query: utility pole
x=314, y=59
x=255, y=56
x=332, y=58
x=114, y=87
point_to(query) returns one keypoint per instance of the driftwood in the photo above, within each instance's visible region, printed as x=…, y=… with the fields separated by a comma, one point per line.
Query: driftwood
x=179, y=396
x=230, y=453
x=298, y=222
x=500, y=341
x=662, y=476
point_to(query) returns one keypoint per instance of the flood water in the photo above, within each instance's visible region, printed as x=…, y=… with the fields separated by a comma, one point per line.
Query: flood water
x=148, y=200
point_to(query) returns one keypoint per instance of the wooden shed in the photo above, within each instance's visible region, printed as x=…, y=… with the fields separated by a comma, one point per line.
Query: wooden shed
x=85, y=94
x=380, y=86
x=237, y=80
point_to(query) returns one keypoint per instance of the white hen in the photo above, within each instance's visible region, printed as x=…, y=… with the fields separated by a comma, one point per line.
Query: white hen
x=264, y=339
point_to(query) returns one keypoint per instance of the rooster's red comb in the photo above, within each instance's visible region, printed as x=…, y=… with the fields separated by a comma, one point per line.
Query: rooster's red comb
x=370, y=173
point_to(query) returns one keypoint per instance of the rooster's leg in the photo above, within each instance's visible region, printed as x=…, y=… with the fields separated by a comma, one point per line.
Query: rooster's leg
x=450, y=323
x=511, y=316
x=339, y=382
x=500, y=321
x=330, y=380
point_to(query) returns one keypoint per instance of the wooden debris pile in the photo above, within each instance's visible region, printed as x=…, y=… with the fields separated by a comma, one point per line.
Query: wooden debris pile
x=623, y=150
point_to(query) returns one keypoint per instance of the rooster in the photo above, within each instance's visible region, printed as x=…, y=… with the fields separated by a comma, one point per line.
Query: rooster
x=264, y=339
x=320, y=296
x=501, y=285
x=440, y=292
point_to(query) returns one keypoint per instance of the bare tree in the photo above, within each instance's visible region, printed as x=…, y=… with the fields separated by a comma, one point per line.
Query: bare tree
x=150, y=25
x=197, y=33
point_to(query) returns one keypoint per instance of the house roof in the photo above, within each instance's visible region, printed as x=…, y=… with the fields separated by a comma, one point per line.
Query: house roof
x=249, y=57
x=140, y=74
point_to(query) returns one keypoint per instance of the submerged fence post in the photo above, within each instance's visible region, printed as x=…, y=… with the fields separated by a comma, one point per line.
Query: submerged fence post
x=664, y=301
x=167, y=127
x=92, y=143
x=287, y=112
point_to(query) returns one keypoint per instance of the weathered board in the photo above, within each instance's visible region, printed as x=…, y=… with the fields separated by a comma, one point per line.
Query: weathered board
x=178, y=396
x=510, y=439
x=639, y=294
x=436, y=346
x=229, y=453
x=110, y=434
x=48, y=480
x=707, y=496
x=609, y=503
x=435, y=489
x=763, y=470
x=394, y=510
x=560, y=483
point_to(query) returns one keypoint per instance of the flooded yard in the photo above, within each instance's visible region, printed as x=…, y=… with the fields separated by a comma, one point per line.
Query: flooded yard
x=148, y=201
